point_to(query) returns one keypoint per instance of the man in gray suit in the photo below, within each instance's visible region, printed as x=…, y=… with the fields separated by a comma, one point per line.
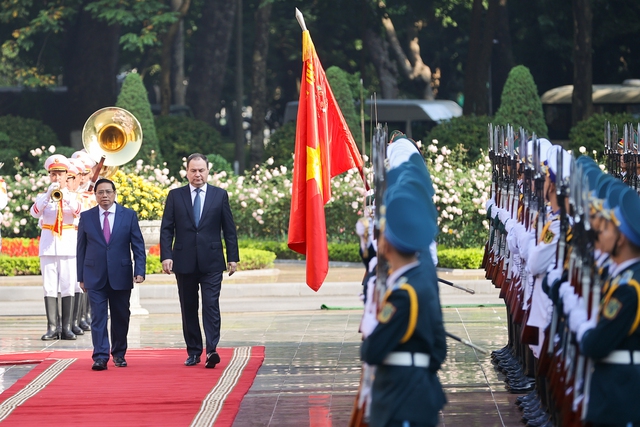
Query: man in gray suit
x=191, y=246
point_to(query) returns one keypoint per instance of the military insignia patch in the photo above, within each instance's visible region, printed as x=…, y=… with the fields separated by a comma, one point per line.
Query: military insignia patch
x=548, y=236
x=386, y=313
x=612, y=309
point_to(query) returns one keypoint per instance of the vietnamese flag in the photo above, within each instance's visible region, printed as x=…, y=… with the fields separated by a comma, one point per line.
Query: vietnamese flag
x=324, y=148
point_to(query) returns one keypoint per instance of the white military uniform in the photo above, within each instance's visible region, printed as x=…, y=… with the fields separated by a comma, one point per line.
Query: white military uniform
x=57, y=246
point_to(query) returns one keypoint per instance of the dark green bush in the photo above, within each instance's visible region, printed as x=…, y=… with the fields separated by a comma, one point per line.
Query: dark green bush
x=219, y=163
x=468, y=131
x=133, y=97
x=520, y=104
x=282, y=145
x=180, y=136
x=469, y=258
x=590, y=133
x=346, y=252
x=20, y=135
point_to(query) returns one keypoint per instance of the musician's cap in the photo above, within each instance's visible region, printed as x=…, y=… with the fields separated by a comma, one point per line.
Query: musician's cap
x=405, y=229
x=85, y=158
x=57, y=162
x=626, y=214
x=553, y=154
x=77, y=166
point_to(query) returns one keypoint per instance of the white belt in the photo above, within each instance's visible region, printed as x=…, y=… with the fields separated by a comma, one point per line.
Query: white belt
x=406, y=358
x=623, y=357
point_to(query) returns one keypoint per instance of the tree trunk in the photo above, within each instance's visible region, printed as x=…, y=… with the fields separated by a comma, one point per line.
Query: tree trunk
x=476, y=74
x=387, y=71
x=411, y=65
x=179, y=89
x=167, y=53
x=582, y=98
x=259, y=83
x=207, y=75
x=90, y=68
x=239, y=83
x=502, y=57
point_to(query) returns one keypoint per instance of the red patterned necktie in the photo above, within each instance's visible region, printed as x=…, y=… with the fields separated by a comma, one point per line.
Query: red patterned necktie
x=105, y=227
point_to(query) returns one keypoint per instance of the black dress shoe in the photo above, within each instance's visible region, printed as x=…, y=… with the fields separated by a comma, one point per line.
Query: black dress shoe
x=120, y=362
x=99, y=365
x=192, y=360
x=213, y=359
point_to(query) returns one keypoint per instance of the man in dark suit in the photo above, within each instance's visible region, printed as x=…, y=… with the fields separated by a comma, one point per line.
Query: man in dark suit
x=107, y=234
x=191, y=246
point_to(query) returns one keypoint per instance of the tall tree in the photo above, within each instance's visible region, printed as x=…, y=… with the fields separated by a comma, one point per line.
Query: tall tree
x=212, y=40
x=238, y=121
x=167, y=53
x=582, y=97
x=502, y=60
x=179, y=88
x=476, y=74
x=262, y=18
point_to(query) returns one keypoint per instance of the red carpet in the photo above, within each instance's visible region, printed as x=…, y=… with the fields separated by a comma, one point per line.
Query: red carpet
x=156, y=389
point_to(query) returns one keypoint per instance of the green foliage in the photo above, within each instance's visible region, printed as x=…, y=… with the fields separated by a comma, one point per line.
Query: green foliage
x=133, y=97
x=468, y=131
x=282, y=145
x=180, y=136
x=339, y=82
x=154, y=265
x=279, y=248
x=345, y=252
x=520, y=104
x=19, y=266
x=590, y=133
x=219, y=164
x=469, y=258
x=18, y=137
x=255, y=259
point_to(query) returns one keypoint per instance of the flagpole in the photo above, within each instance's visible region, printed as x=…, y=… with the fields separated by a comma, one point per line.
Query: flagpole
x=300, y=19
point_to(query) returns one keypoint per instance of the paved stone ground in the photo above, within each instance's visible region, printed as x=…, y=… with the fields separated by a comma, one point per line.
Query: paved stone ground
x=311, y=370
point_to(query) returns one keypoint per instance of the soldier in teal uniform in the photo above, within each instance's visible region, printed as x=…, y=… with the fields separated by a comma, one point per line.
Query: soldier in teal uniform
x=407, y=344
x=610, y=337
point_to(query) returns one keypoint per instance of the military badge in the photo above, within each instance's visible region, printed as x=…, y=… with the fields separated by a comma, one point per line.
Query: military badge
x=612, y=309
x=386, y=313
x=548, y=236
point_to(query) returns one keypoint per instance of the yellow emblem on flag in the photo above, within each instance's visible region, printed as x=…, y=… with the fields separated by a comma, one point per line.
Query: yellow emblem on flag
x=612, y=309
x=386, y=313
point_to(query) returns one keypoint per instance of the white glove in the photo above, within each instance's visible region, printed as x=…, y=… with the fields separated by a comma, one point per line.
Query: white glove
x=578, y=315
x=360, y=228
x=489, y=203
x=370, y=315
x=509, y=224
x=504, y=216
x=570, y=301
x=52, y=187
x=495, y=211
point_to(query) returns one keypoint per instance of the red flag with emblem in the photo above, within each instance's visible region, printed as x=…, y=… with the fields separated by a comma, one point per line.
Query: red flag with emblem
x=324, y=148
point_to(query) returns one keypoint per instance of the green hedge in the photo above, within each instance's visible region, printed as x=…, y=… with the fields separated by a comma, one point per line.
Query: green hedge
x=345, y=252
x=468, y=131
x=470, y=258
x=18, y=137
x=590, y=133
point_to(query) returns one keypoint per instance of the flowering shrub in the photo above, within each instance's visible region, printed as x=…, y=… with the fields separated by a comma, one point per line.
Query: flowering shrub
x=261, y=198
x=144, y=189
x=461, y=191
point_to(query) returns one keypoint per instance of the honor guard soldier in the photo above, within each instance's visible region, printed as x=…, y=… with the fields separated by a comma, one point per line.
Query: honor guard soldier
x=57, y=208
x=406, y=340
x=609, y=334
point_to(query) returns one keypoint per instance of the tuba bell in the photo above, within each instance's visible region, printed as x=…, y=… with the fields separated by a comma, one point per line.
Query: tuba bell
x=114, y=134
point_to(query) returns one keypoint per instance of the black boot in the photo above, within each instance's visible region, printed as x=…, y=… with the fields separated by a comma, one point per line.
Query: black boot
x=67, y=312
x=51, y=308
x=84, y=304
x=75, y=328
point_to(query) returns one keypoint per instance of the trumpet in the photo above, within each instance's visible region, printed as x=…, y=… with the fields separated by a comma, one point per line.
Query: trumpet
x=56, y=195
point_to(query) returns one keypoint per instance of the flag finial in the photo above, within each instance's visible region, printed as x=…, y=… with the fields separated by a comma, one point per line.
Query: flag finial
x=300, y=19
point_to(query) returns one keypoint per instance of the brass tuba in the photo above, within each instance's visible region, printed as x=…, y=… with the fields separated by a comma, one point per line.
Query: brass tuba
x=113, y=133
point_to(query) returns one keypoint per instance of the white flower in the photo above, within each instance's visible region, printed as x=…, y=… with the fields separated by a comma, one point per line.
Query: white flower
x=270, y=161
x=23, y=221
x=52, y=149
x=354, y=205
x=582, y=149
